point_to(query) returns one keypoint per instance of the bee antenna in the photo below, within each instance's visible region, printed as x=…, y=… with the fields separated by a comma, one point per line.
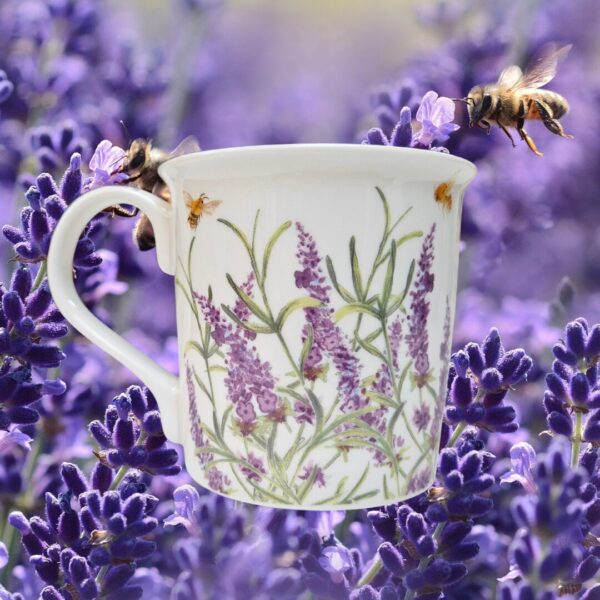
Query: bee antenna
x=125, y=129
x=465, y=100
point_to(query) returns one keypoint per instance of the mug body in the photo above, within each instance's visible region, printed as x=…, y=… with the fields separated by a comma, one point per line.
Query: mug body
x=315, y=291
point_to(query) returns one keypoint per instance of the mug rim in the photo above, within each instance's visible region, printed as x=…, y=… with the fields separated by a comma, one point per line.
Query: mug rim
x=334, y=148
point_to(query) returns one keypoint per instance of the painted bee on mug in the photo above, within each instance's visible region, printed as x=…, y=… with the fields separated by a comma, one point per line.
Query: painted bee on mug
x=198, y=207
x=141, y=166
x=517, y=97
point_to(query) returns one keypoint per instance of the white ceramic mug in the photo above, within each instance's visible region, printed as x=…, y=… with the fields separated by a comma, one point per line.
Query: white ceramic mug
x=315, y=299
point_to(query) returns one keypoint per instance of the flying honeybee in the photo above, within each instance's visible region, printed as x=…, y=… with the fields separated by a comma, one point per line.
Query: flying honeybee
x=198, y=207
x=517, y=97
x=141, y=166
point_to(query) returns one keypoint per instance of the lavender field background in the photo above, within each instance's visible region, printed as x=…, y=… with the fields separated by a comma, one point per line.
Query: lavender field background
x=93, y=500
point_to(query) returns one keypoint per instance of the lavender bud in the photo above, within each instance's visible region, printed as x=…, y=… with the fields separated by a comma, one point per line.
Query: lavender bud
x=116, y=577
x=376, y=137
x=564, y=355
x=111, y=504
x=580, y=389
x=21, y=282
x=592, y=348
x=101, y=434
x=123, y=434
x=492, y=348
x=69, y=527
x=560, y=423
x=138, y=402
x=575, y=333
x=437, y=572
x=102, y=477
x=74, y=478
x=491, y=380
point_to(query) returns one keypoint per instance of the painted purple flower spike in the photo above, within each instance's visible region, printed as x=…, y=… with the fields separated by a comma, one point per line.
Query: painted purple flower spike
x=417, y=336
x=436, y=116
x=523, y=459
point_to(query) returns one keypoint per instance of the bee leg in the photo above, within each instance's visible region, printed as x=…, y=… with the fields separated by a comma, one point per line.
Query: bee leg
x=485, y=126
x=524, y=135
x=551, y=124
x=507, y=132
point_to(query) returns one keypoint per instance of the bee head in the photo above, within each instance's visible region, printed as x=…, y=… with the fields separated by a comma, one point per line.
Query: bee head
x=479, y=104
x=137, y=156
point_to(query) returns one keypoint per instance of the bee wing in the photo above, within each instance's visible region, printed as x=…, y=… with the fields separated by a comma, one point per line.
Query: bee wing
x=543, y=65
x=188, y=199
x=186, y=146
x=209, y=207
x=510, y=77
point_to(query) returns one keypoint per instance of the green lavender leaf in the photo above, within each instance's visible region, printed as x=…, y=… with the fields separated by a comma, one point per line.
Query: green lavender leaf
x=255, y=327
x=254, y=308
x=353, y=308
x=293, y=306
x=340, y=289
x=389, y=277
x=270, y=245
x=401, y=297
x=356, y=275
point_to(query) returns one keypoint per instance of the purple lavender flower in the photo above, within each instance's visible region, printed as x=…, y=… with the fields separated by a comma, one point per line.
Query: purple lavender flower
x=258, y=468
x=90, y=550
x=241, y=311
x=421, y=416
x=401, y=135
x=419, y=480
x=328, y=339
x=523, y=459
x=132, y=435
x=217, y=480
x=47, y=202
x=248, y=378
x=436, y=116
x=104, y=166
x=479, y=379
x=573, y=384
x=314, y=472
x=417, y=337
x=195, y=425
x=53, y=147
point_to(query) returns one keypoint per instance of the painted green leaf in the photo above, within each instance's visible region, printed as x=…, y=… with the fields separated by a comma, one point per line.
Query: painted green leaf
x=409, y=236
x=400, y=298
x=356, y=276
x=254, y=308
x=370, y=348
x=389, y=276
x=386, y=208
x=373, y=335
x=271, y=244
x=353, y=308
x=239, y=233
x=306, y=346
x=293, y=306
x=316, y=405
x=340, y=289
x=192, y=345
x=356, y=487
x=255, y=327
x=382, y=399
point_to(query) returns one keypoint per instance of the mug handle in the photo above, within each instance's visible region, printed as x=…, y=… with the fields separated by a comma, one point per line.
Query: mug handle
x=161, y=383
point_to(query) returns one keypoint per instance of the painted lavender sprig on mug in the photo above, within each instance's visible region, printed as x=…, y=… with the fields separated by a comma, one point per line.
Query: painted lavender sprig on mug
x=265, y=441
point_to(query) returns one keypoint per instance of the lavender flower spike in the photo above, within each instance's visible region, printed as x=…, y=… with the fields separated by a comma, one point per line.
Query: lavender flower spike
x=417, y=337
